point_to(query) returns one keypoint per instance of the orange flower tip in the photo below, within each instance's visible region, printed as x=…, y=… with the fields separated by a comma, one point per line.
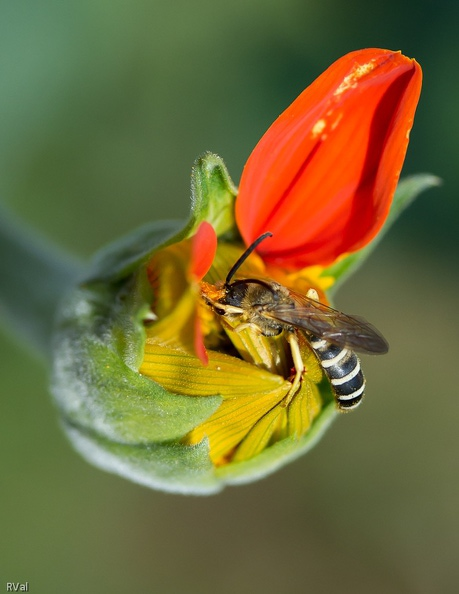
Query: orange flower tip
x=204, y=246
x=323, y=176
x=199, y=348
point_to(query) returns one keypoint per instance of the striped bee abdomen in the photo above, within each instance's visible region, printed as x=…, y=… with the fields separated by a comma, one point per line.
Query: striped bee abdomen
x=342, y=368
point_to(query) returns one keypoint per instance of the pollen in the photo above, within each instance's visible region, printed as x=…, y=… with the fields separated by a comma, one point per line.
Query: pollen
x=318, y=128
x=364, y=69
x=339, y=117
x=350, y=81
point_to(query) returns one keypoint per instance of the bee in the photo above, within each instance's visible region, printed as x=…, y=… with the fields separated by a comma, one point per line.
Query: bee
x=269, y=308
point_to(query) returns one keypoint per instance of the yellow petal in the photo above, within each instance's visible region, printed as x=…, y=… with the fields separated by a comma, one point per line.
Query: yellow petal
x=167, y=273
x=259, y=436
x=304, y=407
x=228, y=426
x=182, y=373
x=281, y=422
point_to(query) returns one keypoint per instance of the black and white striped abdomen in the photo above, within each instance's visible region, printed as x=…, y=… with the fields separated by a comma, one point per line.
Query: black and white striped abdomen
x=342, y=367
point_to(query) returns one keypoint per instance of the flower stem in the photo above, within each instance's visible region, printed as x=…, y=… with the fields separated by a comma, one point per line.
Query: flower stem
x=34, y=275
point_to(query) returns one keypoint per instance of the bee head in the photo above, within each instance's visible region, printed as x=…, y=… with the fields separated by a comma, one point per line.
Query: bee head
x=252, y=290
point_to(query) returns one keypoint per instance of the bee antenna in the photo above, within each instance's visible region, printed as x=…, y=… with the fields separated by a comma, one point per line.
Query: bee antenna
x=245, y=255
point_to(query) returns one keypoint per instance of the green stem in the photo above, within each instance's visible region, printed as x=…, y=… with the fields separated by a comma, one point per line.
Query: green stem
x=34, y=276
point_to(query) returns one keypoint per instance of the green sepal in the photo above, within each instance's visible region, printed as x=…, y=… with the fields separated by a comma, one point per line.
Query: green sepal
x=124, y=256
x=212, y=196
x=98, y=347
x=170, y=467
x=212, y=199
x=178, y=468
x=407, y=190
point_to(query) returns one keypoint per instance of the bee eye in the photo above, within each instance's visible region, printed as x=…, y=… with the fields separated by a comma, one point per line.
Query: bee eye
x=235, y=293
x=219, y=311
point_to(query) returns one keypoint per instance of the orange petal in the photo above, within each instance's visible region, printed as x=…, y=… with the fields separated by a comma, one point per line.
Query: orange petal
x=203, y=250
x=199, y=348
x=322, y=177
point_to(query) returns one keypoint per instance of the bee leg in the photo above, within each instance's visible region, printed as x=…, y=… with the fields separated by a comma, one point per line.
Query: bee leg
x=247, y=325
x=297, y=364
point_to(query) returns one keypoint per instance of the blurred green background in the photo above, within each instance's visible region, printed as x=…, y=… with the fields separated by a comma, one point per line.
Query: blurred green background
x=103, y=107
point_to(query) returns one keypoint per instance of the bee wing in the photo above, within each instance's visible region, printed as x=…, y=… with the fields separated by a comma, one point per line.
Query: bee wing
x=330, y=324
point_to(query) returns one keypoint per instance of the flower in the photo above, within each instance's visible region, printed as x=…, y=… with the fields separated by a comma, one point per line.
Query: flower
x=321, y=179
x=157, y=375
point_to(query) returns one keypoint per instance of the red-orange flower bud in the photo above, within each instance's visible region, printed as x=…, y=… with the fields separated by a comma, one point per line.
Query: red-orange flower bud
x=322, y=177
